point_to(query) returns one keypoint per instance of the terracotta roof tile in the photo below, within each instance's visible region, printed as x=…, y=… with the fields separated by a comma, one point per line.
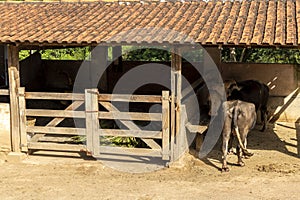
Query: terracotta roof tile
x=202, y=20
x=297, y=11
x=280, y=24
x=240, y=23
x=291, y=23
x=250, y=23
x=219, y=25
x=271, y=22
x=229, y=25
x=259, y=28
x=213, y=17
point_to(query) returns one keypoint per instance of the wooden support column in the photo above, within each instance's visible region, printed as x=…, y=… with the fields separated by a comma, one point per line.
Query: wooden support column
x=176, y=64
x=92, y=122
x=14, y=84
x=98, y=73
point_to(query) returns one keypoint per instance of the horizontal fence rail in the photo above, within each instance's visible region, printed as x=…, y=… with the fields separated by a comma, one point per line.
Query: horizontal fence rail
x=55, y=113
x=130, y=133
x=54, y=96
x=56, y=130
x=102, y=97
x=4, y=92
x=130, y=98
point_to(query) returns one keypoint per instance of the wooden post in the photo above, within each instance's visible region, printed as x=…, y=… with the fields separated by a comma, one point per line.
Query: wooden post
x=172, y=113
x=165, y=125
x=14, y=84
x=92, y=122
x=173, y=101
x=22, y=108
x=176, y=64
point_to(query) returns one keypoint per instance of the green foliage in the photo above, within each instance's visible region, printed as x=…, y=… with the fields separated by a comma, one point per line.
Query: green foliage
x=78, y=139
x=118, y=141
x=24, y=54
x=124, y=141
x=263, y=55
x=78, y=53
x=132, y=53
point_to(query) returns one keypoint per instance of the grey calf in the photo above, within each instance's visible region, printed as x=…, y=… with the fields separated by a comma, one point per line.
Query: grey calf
x=240, y=118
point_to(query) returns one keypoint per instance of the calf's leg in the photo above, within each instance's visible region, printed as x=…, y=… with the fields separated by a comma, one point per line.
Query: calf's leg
x=263, y=117
x=226, y=137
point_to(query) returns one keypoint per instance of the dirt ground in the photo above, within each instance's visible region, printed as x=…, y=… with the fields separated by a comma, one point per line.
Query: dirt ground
x=272, y=173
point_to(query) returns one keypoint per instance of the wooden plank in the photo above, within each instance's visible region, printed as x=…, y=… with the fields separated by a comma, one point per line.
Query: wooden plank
x=14, y=84
x=131, y=133
x=56, y=139
x=165, y=126
x=55, y=113
x=4, y=92
x=92, y=121
x=130, y=151
x=195, y=128
x=131, y=116
x=172, y=124
x=130, y=98
x=54, y=96
x=102, y=97
x=56, y=147
x=22, y=107
x=129, y=124
x=56, y=121
x=56, y=130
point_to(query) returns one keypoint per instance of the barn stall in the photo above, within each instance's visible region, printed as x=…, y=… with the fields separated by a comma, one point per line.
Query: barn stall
x=205, y=23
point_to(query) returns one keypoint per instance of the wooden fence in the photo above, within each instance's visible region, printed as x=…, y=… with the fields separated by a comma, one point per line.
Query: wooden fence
x=92, y=116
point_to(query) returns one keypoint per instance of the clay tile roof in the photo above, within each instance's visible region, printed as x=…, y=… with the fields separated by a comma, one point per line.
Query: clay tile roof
x=261, y=23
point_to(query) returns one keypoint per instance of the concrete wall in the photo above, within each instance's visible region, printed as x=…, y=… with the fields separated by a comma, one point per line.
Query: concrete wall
x=281, y=78
x=283, y=83
x=288, y=106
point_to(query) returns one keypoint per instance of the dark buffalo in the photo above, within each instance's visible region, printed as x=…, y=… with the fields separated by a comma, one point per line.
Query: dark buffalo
x=250, y=91
x=240, y=118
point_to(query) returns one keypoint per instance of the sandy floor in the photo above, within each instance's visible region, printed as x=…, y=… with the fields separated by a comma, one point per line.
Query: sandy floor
x=272, y=173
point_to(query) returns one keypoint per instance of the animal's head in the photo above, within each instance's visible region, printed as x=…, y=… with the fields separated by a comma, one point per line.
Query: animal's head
x=230, y=86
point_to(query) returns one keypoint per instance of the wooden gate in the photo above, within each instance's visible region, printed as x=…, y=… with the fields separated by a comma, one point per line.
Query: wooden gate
x=87, y=107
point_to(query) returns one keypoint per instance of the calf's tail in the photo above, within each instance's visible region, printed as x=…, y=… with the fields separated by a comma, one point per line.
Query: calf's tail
x=236, y=113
